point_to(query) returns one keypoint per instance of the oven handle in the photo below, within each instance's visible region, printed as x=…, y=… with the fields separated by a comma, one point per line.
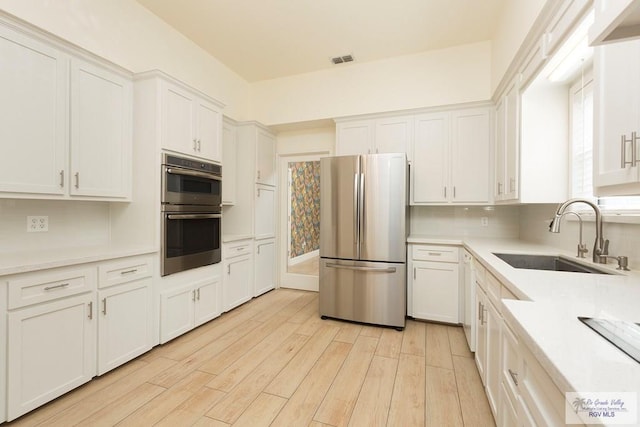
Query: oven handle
x=193, y=173
x=193, y=216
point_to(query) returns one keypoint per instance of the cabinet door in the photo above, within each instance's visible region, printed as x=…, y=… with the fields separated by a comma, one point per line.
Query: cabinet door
x=500, y=151
x=394, y=135
x=265, y=158
x=208, y=300
x=176, y=312
x=508, y=416
x=101, y=128
x=470, y=144
x=512, y=142
x=265, y=224
x=33, y=107
x=616, y=98
x=208, y=125
x=51, y=350
x=354, y=137
x=178, y=118
x=265, y=266
x=228, y=164
x=481, y=333
x=430, y=169
x=238, y=281
x=493, y=356
x=435, y=291
x=124, y=326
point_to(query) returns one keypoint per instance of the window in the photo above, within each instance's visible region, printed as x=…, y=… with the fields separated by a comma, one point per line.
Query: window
x=581, y=139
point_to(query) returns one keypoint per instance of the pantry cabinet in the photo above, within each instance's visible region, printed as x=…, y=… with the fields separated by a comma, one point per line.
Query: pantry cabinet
x=617, y=118
x=67, y=121
x=265, y=212
x=186, y=307
x=265, y=266
x=433, y=282
x=265, y=157
x=192, y=122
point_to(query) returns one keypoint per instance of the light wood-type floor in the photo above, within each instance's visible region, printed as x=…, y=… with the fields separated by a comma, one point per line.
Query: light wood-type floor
x=310, y=267
x=273, y=361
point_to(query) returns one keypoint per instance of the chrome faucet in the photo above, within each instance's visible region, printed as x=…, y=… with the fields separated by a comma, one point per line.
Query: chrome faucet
x=600, y=246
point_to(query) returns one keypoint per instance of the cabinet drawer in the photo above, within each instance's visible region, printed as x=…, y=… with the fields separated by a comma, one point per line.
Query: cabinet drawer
x=480, y=273
x=435, y=253
x=34, y=288
x=123, y=271
x=236, y=249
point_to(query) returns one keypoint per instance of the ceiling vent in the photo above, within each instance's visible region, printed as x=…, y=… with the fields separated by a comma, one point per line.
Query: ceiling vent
x=342, y=59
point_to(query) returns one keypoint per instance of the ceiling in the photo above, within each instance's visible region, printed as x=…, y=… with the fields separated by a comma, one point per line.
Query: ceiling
x=266, y=39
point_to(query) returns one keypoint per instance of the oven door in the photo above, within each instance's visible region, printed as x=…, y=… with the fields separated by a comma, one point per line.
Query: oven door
x=190, y=240
x=188, y=187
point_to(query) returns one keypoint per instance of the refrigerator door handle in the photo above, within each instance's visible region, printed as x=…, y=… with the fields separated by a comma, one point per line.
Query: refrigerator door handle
x=363, y=232
x=359, y=268
x=356, y=211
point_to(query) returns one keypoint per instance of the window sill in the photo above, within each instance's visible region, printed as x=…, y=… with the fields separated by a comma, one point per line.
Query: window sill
x=609, y=217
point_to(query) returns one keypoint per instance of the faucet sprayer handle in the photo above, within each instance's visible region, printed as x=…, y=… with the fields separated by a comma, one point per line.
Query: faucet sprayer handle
x=605, y=249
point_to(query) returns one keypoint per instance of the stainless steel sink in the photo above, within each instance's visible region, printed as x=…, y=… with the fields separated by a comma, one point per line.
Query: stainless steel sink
x=547, y=262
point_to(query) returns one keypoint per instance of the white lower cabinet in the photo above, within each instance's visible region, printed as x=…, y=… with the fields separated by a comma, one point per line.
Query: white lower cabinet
x=265, y=266
x=124, y=323
x=51, y=350
x=188, y=306
x=433, y=282
x=238, y=269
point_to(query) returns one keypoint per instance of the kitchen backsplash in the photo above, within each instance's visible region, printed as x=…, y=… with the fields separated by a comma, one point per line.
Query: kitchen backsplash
x=465, y=221
x=623, y=238
x=71, y=224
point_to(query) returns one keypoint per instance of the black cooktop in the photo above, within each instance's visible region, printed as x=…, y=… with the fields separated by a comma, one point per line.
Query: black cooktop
x=622, y=334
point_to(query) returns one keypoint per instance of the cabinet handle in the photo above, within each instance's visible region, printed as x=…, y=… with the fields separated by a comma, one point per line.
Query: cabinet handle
x=198, y=294
x=259, y=249
x=479, y=310
x=499, y=188
x=62, y=178
x=435, y=253
x=634, y=148
x=199, y=145
x=104, y=306
x=514, y=377
x=454, y=191
x=77, y=179
x=484, y=311
x=61, y=285
x=90, y=310
x=195, y=144
x=258, y=173
x=133, y=270
x=229, y=269
x=193, y=295
x=445, y=192
x=414, y=273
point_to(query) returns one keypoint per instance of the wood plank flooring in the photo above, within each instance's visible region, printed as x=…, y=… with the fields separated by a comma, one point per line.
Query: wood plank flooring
x=274, y=362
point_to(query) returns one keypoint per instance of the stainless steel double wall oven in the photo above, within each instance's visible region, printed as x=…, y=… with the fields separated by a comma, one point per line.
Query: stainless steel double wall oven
x=191, y=214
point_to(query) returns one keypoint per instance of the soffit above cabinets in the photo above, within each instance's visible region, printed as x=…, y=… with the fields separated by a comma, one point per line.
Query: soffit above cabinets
x=266, y=39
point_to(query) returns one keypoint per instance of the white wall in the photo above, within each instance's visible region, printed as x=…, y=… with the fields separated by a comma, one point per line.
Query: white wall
x=305, y=141
x=517, y=19
x=64, y=217
x=464, y=221
x=623, y=238
x=127, y=34
x=448, y=76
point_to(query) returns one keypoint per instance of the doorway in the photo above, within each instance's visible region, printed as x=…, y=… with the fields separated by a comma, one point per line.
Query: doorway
x=300, y=221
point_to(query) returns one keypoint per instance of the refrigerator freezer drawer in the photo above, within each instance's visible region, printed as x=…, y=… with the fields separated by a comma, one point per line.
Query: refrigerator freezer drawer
x=368, y=292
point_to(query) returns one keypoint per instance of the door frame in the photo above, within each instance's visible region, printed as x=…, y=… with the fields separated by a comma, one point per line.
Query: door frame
x=291, y=280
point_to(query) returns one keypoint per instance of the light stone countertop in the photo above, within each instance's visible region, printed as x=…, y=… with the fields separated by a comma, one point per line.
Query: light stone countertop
x=545, y=319
x=27, y=261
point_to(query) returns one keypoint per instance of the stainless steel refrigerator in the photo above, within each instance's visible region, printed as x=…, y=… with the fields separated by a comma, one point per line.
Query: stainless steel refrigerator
x=363, y=231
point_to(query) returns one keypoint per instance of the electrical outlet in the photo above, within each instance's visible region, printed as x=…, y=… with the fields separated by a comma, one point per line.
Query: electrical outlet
x=484, y=221
x=36, y=224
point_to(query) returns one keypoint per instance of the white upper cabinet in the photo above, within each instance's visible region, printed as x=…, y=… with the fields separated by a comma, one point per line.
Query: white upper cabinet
x=451, y=152
x=229, y=155
x=615, y=20
x=33, y=107
x=507, y=144
x=371, y=136
x=192, y=124
x=67, y=121
x=265, y=158
x=617, y=118
x=101, y=129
